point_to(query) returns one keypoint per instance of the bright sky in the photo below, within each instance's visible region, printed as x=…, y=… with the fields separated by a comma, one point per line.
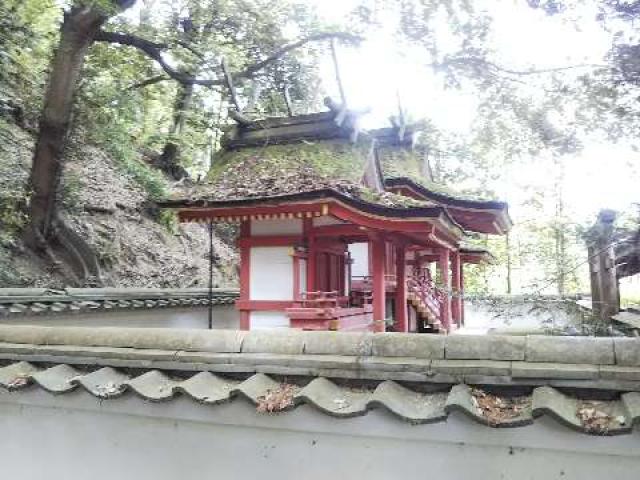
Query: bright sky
x=374, y=73
x=600, y=176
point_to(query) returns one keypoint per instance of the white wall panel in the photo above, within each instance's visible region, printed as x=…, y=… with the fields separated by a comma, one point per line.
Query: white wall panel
x=264, y=320
x=276, y=226
x=360, y=255
x=271, y=273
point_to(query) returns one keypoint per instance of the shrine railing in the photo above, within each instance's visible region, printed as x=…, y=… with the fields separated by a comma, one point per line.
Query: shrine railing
x=430, y=298
x=329, y=311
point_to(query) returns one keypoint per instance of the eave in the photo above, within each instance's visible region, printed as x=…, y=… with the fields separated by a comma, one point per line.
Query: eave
x=462, y=210
x=317, y=203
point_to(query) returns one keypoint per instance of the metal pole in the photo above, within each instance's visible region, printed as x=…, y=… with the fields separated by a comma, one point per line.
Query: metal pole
x=210, y=274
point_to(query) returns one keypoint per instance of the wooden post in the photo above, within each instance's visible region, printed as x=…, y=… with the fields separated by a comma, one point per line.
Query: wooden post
x=461, y=294
x=245, y=275
x=594, y=278
x=443, y=265
x=456, y=288
x=401, y=320
x=311, y=256
x=602, y=267
x=377, y=257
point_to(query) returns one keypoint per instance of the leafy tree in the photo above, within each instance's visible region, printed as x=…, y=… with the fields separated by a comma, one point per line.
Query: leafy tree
x=82, y=25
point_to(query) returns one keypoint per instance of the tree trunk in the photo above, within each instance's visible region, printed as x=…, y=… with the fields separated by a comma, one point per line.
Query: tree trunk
x=78, y=29
x=168, y=160
x=181, y=107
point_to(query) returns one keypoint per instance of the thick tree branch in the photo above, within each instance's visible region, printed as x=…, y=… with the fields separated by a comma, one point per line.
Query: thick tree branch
x=252, y=69
x=149, y=81
x=154, y=51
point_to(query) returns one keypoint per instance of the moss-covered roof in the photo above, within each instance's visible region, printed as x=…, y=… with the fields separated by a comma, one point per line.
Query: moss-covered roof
x=405, y=162
x=254, y=172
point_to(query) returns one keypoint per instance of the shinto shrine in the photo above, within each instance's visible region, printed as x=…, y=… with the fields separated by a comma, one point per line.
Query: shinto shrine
x=329, y=238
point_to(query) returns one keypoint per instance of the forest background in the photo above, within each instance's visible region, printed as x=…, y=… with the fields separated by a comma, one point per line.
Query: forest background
x=535, y=103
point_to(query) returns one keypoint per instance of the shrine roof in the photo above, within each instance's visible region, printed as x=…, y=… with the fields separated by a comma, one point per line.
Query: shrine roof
x=326, y=155
x=485, y=216
x=475, y=254
x=302, y=171
x=587, y=384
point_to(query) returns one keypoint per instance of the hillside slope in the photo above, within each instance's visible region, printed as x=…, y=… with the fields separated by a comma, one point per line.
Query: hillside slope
x=112, y=212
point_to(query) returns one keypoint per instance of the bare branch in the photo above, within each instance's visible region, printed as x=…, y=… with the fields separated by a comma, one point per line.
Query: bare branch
x=154, y=51
x=491, y=67
x=252, y=69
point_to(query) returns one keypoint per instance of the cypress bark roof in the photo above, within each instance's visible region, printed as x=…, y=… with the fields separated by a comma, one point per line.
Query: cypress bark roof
x=275, y=170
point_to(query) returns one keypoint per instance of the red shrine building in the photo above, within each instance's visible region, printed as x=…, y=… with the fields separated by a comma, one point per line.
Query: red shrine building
x=337, y=230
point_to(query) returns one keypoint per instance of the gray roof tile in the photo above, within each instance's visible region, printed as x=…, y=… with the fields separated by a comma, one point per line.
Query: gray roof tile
x=595, y=417
x=56, y=379
x=152, y=385
x=338, y=402
x=104, y=383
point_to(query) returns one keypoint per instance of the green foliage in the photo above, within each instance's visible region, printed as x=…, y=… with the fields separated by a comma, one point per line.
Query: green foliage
x=169, y=220
x=27, y=34
x=15, y=151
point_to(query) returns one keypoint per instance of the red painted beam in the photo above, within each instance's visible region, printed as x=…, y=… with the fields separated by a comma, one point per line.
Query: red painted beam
x=264, y=305
x=286, y=210
x=378, y=223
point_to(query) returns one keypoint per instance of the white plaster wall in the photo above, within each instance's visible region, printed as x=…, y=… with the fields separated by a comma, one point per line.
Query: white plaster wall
x=265, y=320
x=271, y=273
x=360, y=255
x=327, y=220
x=303, y=274
x=276, y=226
x=77, y=437
x=224, y=317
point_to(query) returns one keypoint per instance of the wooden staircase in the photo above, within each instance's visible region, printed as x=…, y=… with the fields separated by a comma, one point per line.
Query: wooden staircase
x=427, y=300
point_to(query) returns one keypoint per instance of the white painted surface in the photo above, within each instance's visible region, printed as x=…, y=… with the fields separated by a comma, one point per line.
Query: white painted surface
x=224, y=317
x=327, y=220
x=303, y=274
x=271, y=273
x=276, y=226
x=75, y=436
x=360, y=255
x=266, y=320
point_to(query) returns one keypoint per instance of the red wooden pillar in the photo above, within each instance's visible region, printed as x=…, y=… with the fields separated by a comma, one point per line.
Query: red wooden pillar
x=245, y=275
x=443, y=265
x=456, y=302
x=377, y=259
x=401, y=320
x=461, y=293
x=312, y=260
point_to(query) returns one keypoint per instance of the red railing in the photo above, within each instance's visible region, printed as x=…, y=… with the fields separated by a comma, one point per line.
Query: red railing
x=429, y=298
